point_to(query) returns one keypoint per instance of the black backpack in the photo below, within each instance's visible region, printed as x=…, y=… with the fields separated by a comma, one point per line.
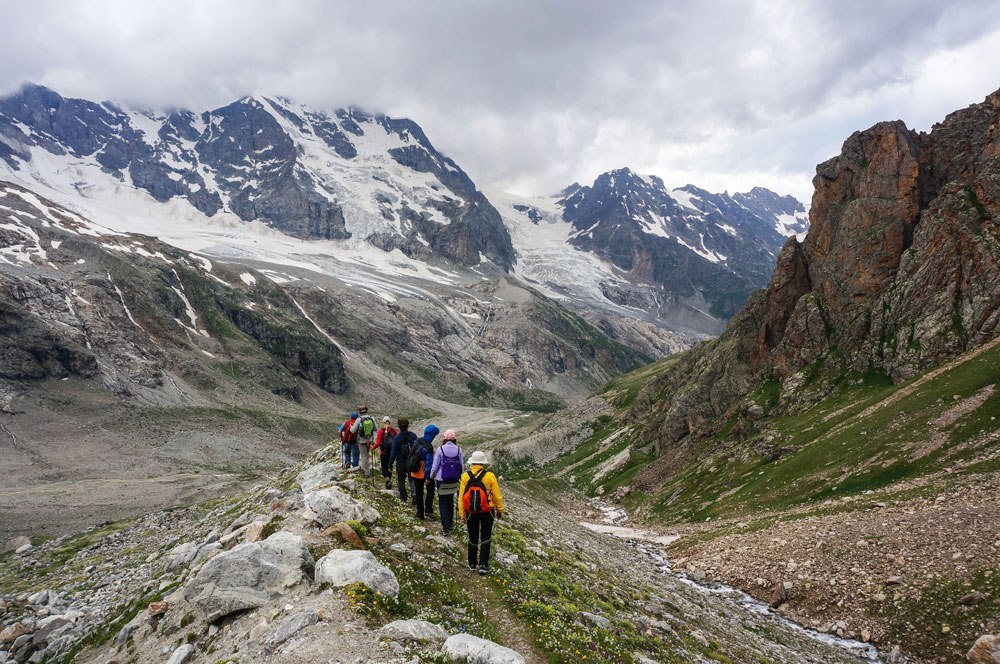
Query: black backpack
x=416, y=455
x=405, y=445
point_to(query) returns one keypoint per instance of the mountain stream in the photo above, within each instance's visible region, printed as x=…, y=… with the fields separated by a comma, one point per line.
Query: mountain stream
x=650, y=545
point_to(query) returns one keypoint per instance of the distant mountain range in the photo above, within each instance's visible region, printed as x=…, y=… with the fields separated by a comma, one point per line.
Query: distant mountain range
x=684, y=259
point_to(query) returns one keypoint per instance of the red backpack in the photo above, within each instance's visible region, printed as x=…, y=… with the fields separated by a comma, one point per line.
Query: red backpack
x=476, y=499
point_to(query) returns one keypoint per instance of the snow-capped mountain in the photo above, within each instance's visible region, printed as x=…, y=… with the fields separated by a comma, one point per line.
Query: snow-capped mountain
x=265, y=178
x=687, y=254
x=310, y=174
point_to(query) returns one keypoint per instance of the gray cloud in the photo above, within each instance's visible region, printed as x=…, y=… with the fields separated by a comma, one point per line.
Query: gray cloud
x=533, y=95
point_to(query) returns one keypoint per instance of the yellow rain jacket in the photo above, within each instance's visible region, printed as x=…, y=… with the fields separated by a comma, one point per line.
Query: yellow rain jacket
x=492, y=489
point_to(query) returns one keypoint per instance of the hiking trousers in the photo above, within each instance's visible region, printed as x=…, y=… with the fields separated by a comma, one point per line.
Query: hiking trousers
x=418, y=496
x=429, y=501
x=365, y=460
x=446, y=504
x=402, y=477
x=386, y=469
x=480, y=533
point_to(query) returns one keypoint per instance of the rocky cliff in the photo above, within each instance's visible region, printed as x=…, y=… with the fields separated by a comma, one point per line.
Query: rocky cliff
x=900, y=271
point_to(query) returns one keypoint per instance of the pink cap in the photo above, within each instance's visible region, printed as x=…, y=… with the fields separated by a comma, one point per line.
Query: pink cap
x=450, y=435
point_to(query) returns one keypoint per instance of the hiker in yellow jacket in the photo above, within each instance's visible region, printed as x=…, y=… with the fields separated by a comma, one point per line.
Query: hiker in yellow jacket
x=479, y=504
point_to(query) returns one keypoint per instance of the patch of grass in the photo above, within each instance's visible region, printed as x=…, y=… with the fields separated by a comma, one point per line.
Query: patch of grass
x=920, y=620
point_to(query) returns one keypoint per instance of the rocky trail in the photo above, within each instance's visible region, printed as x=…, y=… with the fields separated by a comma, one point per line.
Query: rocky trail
x=317, y=565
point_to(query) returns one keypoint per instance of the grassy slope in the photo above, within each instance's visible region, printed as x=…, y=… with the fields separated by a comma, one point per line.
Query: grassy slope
x=865, y=435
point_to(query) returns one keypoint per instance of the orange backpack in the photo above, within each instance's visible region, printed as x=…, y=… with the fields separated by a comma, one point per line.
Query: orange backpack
x=476, y=499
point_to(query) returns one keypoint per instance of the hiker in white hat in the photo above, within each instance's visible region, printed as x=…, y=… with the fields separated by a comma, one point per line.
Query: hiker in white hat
x=479, y=505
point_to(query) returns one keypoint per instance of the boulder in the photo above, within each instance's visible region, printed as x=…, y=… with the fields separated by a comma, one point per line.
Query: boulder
x=468, y=648
x=986, y=650
x=330, y=506
x=318, y=475
x=341, y=568
x=249, y=576
x=418, y=631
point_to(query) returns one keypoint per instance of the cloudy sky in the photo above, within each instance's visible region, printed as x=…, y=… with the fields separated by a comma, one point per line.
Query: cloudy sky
x=532, y=95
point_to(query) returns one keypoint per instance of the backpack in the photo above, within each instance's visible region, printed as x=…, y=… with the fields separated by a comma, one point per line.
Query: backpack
x=367, y=427
x=349, y=437
x=451, y=467
x=416, y=456
x=405, y=446
x=476, y=499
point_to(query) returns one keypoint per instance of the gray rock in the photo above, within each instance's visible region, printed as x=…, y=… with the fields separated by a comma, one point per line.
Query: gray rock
x=249, y=576
x=595, y=620
x=340, y=568
x=318, y=475
x=182, y=555
x=182, y=654
x=330, y=506
x=291, y=626
x=986, y=650
x=15, y=544
x=24, y=548
x=419, y=631
x=468, y=648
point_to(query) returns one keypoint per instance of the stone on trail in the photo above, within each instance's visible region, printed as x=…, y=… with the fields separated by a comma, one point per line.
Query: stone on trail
x=330, y=506
x=341, y=568
x=12, y=632
x=468, y=648
x=419, y=631
x=182, y=654
x=318, y=475
x=291, y=626
x=249, y=576
x=986, y=650
x=343, y=532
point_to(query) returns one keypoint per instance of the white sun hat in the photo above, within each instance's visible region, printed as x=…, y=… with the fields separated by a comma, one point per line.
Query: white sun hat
x=478, y=457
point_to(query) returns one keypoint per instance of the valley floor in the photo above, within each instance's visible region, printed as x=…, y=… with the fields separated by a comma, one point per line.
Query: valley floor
x=914, y=567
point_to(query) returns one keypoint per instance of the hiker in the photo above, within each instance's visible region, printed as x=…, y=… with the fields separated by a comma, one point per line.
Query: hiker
x=419, y=463
x=480, y=502
x=347, y=439
x=364, y=430
x=399, y=452
x=446, y=471
x=383, y=443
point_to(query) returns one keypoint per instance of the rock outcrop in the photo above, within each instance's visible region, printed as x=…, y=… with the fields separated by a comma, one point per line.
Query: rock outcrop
x=900, y=272
x=249, y=576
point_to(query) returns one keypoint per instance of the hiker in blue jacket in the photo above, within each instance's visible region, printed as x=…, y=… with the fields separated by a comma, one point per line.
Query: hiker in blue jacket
x=399, y=452
x=420, y=471
x=446, y=471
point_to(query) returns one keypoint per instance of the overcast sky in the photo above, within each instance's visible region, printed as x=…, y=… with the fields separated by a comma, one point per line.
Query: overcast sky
x=531, y=96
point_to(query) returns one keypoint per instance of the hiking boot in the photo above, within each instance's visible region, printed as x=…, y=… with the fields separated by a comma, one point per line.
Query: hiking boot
x=484, y=570
x=472, y=568
x=388, y=484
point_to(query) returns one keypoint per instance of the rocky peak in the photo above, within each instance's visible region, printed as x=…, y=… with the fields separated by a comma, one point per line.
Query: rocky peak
x=693, y=244
x=309, y=173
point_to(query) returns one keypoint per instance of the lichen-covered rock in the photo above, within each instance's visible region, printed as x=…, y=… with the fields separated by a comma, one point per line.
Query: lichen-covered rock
x=318, y=475
x=341, y=568
x=330, y=506
x=249, y=576
x=986, y=650
x=472, y=649
x=419, y=631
